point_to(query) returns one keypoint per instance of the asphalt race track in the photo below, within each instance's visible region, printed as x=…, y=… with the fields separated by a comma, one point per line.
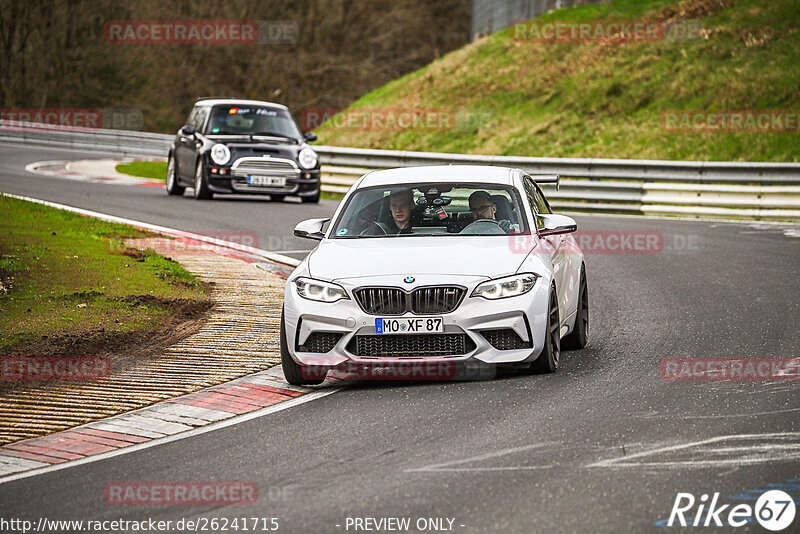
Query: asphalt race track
x=604, y=445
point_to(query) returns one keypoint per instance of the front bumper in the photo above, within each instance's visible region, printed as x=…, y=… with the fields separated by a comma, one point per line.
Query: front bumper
x=301, y=186
x=526, y=315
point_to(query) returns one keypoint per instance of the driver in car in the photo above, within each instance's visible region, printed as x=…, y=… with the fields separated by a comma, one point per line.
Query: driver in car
x=483, y=206
x=401, y=204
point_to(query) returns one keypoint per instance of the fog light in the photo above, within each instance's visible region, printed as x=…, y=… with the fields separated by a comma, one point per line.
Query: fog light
x=213, y=170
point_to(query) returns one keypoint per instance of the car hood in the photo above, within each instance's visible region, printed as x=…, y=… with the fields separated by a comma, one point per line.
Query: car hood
x=488, y=256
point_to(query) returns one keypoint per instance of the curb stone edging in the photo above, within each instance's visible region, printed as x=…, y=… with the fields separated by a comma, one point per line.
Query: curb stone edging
x=174, y=416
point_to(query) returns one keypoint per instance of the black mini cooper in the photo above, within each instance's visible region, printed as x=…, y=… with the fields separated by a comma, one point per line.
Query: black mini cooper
x=243, y=146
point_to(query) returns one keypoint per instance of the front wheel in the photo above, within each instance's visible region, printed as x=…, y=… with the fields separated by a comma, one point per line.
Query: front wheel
x=201, y=191
x=580, y=334
x=548, y=360
x=296, y=374
x=172, y=180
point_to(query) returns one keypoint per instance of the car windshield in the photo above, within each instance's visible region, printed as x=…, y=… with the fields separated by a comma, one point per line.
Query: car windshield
x=431, y=209
x=252, y=120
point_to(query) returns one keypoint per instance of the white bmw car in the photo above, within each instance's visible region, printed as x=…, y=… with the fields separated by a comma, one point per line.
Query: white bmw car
x=434, y=268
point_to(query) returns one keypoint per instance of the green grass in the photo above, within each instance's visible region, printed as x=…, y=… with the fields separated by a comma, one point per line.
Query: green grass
x=66, y=274
x=156, y=170
x=606, y=99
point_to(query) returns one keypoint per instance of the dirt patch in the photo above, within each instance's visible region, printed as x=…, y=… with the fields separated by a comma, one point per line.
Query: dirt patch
x=693, y=9
x=124, y=350
x=137, y=255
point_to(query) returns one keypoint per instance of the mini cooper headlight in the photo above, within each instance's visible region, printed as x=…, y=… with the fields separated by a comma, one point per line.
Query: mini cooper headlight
x=220, y=154
x=319, y=290
x=308, y=158
x=510, y=286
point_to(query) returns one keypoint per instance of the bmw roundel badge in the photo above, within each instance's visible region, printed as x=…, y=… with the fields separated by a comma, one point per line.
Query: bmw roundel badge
x=409, y=279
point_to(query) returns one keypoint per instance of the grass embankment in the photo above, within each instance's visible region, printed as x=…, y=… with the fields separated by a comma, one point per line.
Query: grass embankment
x=595, y=99
x=68, y=282
x=156, y=170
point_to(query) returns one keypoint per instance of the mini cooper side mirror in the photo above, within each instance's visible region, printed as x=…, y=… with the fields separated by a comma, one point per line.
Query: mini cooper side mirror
x=311, y=229
x=187, y=130
x=310, y=137
x=554, y=224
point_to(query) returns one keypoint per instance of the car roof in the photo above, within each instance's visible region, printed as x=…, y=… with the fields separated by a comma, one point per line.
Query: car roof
x=440, y=173
x=237, y=102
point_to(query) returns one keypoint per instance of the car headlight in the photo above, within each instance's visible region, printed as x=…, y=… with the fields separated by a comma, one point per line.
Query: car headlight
x=510, y=286
x=308, y=158
x=319, y=290
x=220, y=154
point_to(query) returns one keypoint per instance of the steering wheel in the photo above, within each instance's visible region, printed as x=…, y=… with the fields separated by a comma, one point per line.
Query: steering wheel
x=376, y=228
x=484, y=226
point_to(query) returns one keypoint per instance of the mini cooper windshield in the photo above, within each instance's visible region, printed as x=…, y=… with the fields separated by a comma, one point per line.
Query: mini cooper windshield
x=252, y=120
x=431, y=209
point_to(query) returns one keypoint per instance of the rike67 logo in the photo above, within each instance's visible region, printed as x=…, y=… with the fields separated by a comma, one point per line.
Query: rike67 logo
x=774, y=510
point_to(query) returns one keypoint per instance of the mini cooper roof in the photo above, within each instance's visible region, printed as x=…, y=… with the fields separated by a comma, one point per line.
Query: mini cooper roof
x=236, y=102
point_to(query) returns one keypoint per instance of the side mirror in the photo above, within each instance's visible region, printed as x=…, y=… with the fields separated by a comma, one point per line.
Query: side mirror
x=556, y=224
x=187, y=130
x=310, y=137
x=311, y=229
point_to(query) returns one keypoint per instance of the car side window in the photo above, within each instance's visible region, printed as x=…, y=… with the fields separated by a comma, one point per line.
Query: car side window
x=531, y=193
x=541, y=203
x=190, y=119
x=200, y=118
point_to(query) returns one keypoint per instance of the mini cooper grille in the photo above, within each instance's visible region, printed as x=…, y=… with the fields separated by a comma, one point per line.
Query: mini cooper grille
x=266, y=167
x=411, y=346
x=395, y=301
x=320, y=342
x=505, y=339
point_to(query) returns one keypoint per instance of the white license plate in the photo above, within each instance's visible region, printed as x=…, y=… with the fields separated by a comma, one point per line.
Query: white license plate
x=255, y=179
x=415, y=325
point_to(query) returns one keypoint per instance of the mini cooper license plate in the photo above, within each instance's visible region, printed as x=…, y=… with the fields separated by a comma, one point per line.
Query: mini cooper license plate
x=255, y=179
x=414, y=325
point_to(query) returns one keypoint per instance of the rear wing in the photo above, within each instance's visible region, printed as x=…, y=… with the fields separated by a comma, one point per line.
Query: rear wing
x=547, y=179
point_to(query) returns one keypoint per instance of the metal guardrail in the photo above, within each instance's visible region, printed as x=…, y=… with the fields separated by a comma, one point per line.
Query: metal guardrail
x=123, y=142
x=769, y=191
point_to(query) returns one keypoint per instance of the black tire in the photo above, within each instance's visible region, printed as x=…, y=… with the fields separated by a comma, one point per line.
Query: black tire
x=201, y=191
x=548, y=360
x=172, y=179
x=295, y=373
x=577, y=339
x=313, y=199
